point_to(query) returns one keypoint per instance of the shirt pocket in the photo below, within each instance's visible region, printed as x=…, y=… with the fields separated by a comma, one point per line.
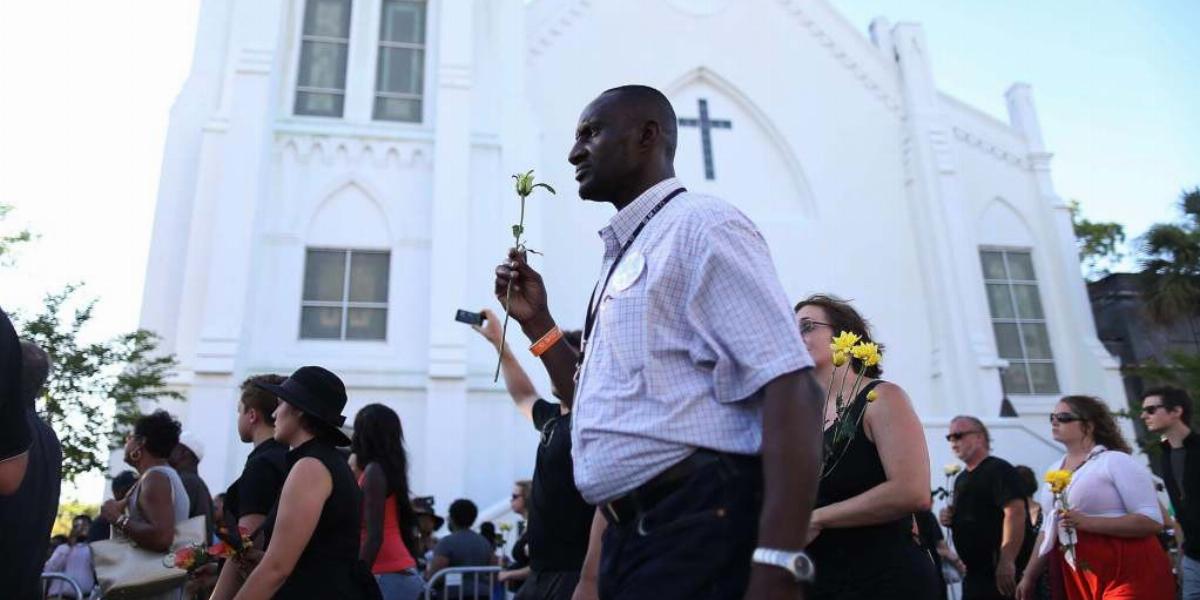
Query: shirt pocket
x=623, y=316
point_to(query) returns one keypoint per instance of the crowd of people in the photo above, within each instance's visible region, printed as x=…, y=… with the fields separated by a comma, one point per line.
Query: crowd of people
x=689, y=455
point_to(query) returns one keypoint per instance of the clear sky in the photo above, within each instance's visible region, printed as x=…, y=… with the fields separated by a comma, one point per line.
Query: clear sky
x=88, y=86
x=1116, y=85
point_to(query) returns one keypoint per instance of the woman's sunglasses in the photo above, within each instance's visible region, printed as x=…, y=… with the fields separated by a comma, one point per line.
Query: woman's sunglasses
x=1064, y=417
x=807, y=325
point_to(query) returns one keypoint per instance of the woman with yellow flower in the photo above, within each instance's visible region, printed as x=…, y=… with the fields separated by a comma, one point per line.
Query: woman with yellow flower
x=1102, y=514
x=876, y=472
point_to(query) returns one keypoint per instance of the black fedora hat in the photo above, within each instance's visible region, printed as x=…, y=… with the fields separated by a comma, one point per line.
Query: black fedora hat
x=317, y=392
x=423, y=505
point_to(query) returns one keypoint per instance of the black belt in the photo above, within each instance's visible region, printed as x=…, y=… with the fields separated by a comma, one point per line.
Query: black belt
x=642, y=499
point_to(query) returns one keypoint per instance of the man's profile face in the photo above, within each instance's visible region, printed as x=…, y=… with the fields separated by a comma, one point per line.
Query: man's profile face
x=604, y=152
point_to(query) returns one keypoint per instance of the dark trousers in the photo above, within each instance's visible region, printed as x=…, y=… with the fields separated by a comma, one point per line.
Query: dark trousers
x=694, y=544
x=549, y=585
x=980, y=584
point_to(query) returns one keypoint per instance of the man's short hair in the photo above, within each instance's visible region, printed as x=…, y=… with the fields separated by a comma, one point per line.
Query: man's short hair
x=987, y=435
x=35, y=370
x=1173, y=397
x=463, y=513
x=655, y=104
x=123, y=482
x=259, y=399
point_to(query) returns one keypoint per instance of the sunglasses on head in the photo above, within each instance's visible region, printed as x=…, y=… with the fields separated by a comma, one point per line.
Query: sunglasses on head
x=954, y=437
x=1064, y=417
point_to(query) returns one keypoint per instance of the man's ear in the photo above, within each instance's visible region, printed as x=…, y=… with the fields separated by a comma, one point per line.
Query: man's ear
x=650, y=134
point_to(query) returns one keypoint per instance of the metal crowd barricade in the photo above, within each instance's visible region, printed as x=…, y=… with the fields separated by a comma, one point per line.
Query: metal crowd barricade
x=450, y=584
x=50, y=576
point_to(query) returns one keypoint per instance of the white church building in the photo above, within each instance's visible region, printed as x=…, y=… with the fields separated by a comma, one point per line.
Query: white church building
x=336, y=183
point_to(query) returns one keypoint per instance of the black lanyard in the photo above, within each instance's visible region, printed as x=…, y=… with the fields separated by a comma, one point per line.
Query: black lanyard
x=590, y=323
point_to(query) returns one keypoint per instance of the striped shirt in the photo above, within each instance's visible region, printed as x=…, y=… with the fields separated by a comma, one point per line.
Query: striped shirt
x=681, y=346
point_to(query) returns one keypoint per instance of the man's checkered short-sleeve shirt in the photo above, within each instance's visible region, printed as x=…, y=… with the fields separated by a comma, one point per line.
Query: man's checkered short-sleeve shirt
x=677, y=358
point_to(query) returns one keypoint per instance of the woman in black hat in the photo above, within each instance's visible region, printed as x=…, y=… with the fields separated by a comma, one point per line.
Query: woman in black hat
x=312, y=532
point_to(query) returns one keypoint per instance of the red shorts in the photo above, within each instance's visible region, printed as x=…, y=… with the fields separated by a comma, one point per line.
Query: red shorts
x=1113, y=568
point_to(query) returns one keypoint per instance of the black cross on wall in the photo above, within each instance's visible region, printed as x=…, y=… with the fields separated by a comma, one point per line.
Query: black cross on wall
x=706, y=126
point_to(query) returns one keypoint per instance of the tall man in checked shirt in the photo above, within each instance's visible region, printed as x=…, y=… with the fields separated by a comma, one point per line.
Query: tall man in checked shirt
x=697, y=420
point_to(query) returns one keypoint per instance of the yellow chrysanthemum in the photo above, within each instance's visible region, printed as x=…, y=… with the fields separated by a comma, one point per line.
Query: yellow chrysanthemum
x=839, y=359
x=1058, y=480
x=845, y=341
x=867, y=352
x=872, y=396
x=952, y=469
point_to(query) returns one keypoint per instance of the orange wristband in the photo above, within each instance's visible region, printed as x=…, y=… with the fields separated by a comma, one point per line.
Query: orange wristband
x=551, y=338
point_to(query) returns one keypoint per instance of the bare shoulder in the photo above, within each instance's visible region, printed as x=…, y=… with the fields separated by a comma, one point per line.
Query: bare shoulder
x=891, y=395
x=306, y=471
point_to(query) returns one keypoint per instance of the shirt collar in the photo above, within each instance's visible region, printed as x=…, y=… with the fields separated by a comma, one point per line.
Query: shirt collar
x=627, y=219
x=265, y=445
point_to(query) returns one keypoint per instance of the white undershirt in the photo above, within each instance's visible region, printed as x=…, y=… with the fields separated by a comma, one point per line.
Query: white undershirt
x=1109, y=484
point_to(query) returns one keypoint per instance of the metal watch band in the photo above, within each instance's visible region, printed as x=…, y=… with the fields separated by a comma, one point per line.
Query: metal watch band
x=788, y=561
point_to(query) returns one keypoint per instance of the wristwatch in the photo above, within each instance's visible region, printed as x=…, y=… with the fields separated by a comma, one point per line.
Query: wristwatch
x=797, y=563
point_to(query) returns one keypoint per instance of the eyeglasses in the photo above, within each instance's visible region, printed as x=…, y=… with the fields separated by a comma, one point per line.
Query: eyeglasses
x=954, y=437
x=807, y=325
x=1151, y=409
x=1065, y=417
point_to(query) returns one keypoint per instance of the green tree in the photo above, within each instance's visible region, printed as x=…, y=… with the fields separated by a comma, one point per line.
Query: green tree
x=1099, y=244
x=67, y=511
x=1171, y=266
x=10, y=240
x=96, y=389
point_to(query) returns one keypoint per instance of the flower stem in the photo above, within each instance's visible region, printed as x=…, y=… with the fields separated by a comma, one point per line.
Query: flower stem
x=508, y=294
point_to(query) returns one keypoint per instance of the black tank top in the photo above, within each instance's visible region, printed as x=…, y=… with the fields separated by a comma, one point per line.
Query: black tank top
x=329, y=566
x=874, y=562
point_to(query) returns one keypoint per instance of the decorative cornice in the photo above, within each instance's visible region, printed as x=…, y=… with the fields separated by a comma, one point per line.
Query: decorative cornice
x=255, y=60
x=551, y=28
x=352, y=151
x=992, y=148
x=843, y=58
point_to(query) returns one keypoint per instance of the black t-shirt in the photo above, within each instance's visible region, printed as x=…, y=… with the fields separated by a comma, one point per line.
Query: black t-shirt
x=979, y=498
x=559, y=518
x=27, y=516
x=258, y=488
x=15, y=434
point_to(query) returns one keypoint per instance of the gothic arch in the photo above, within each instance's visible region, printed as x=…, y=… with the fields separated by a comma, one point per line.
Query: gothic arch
x=361, y=199
x=778, y=140
x=1000, y=224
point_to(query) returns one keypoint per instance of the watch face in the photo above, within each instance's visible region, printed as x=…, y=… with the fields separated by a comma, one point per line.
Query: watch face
x=802, y=566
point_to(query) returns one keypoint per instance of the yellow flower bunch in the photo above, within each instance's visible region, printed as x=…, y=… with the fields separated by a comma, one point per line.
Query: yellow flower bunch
x=872, y=396
x=844, y=342
x=952, y=469
x=1059, y=480
x=867, y=352
x=839, y=359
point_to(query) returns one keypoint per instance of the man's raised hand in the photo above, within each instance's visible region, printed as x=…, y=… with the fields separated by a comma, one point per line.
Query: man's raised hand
x=527, y=300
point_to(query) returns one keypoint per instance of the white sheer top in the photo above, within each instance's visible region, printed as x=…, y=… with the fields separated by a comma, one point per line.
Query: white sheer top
x=1109, y=484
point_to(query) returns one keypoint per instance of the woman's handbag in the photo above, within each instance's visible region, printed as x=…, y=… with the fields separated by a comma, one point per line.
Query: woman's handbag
x=125, y=570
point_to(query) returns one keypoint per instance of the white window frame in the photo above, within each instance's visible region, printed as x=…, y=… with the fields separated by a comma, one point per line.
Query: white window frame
x=380, y=44
x=303, y=37
x=345, y=304
x=1017, y=320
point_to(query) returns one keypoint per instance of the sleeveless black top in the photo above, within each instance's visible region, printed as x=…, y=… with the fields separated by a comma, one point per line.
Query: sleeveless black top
x=329, y=566
x=873, y=562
